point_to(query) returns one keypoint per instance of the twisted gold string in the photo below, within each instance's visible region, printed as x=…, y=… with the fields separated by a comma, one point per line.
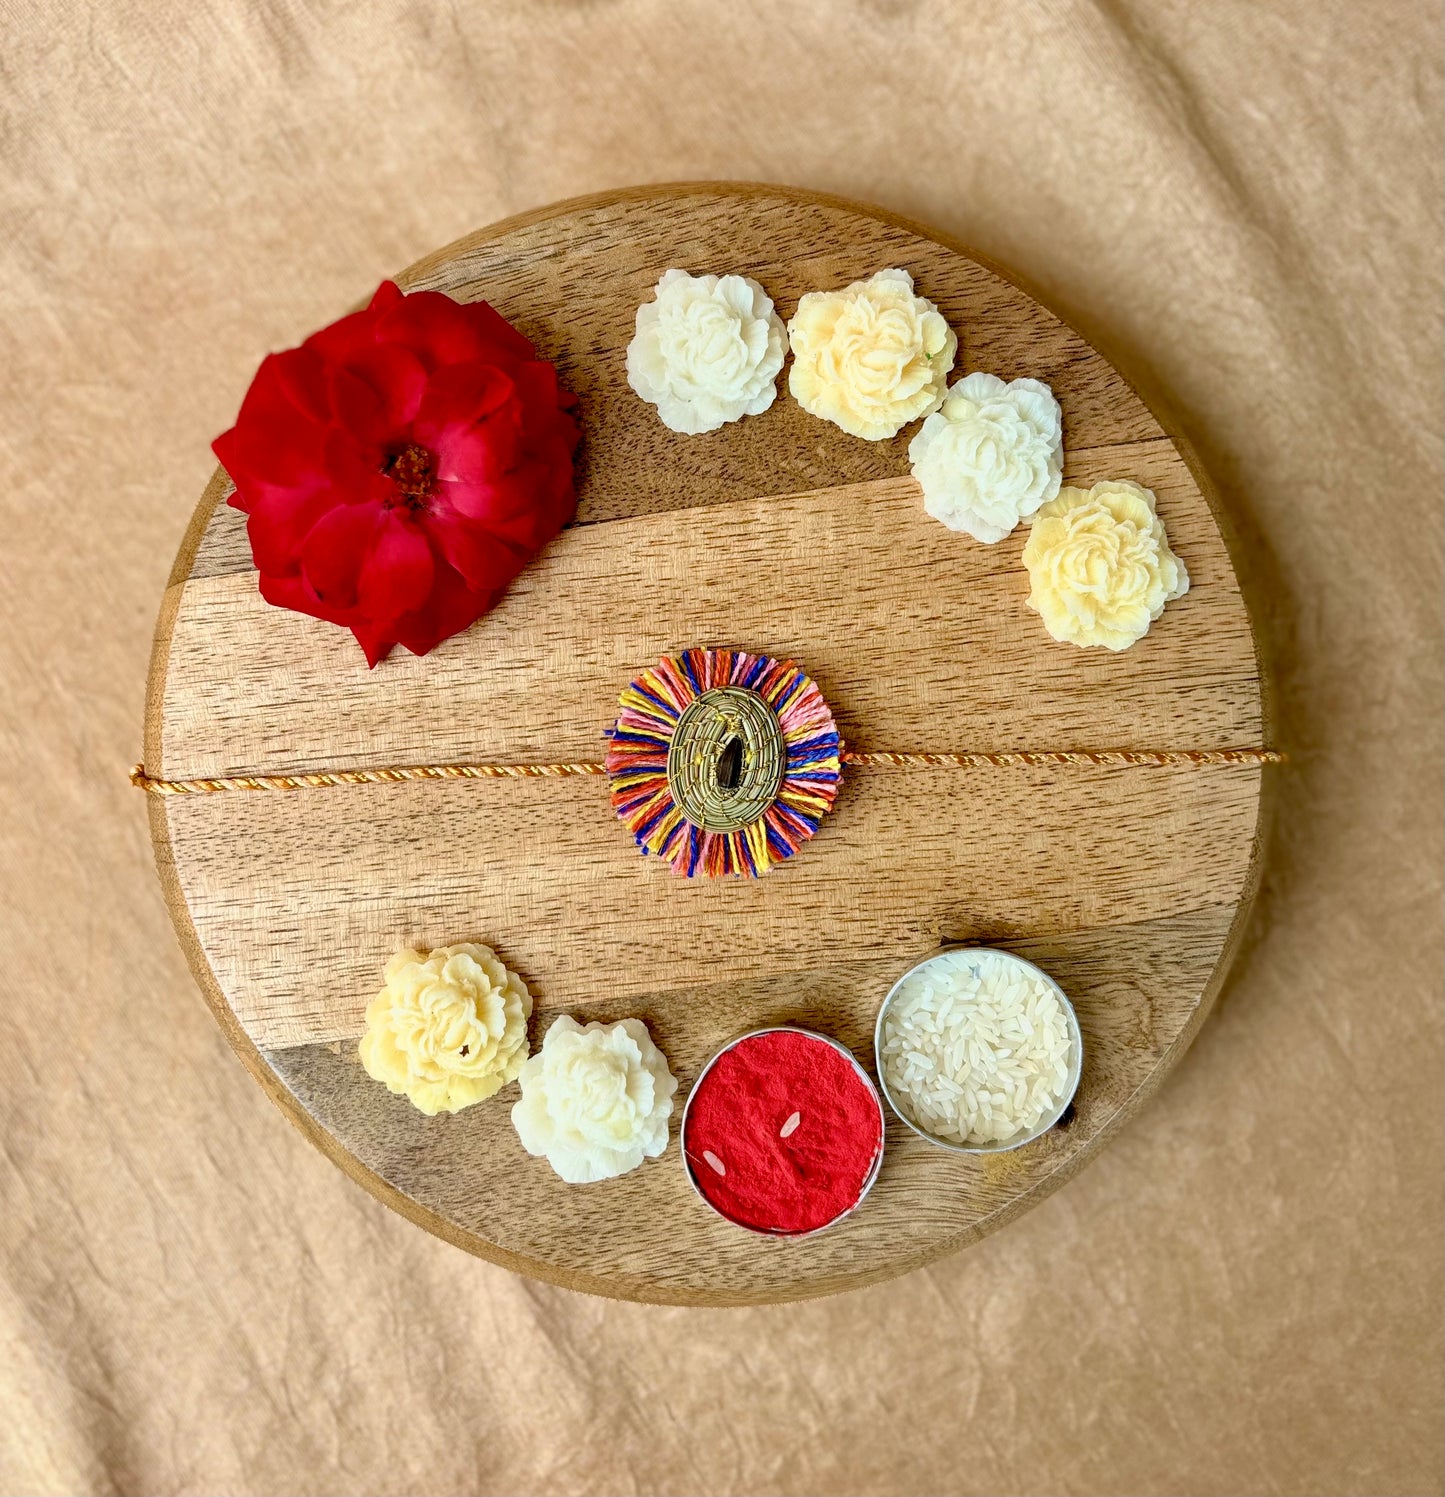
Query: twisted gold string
x=320, y=778
x=1066, y=756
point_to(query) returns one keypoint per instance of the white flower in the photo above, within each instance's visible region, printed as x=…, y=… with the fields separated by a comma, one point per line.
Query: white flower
x=990, y=456
x=872, y=357
x=707, y=351
x=595, y=1101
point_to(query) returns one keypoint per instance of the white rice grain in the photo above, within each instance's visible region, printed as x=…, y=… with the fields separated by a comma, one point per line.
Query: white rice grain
x=976, y=1048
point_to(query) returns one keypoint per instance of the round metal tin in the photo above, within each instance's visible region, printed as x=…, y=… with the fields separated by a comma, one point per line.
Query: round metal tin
x=868, y=1180
x=1071, y=1083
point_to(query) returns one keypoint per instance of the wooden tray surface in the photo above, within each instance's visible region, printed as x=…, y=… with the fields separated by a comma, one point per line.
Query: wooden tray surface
x=779, y=534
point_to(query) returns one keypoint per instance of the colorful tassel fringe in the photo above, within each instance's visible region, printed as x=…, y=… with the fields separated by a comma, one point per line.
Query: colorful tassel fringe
x=637, y=762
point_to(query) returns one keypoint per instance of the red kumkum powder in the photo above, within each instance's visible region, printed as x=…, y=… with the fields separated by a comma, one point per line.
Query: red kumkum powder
x=781, y=1133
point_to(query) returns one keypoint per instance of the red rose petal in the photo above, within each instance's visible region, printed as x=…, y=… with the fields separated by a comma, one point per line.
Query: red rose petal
x=486, y=560
x=481, y=505
x=345, y=337
x=294, y=593
x=376, y=640
x=271, y=439
x=301, y=374
x=497, y=333
x=428, y=322
x=458, y=396
x=336, y=548
x=360, y=408
x=517, y=505
x=537, y=383
x=450, y=609
x=480, y=453
x=396, y=575
x=279, y=522
x=354, y=469
x=385, y=297
x=397, y=376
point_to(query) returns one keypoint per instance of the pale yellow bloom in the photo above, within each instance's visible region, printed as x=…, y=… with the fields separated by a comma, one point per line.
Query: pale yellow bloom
x=1100, y=565
x=595, y=1101
x=870, y=358
x=448, y=1029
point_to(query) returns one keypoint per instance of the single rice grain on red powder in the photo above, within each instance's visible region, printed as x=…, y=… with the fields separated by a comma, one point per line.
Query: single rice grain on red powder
x=740, y=1110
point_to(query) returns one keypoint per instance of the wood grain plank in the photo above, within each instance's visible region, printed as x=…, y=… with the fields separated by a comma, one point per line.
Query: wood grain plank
x=920, y=639
x=299, y=899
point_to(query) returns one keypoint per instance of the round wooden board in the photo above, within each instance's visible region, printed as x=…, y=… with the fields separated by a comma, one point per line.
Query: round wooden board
x=779, y=534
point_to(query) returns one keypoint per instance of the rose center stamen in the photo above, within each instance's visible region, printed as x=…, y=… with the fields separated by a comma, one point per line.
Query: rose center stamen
x=413, y=470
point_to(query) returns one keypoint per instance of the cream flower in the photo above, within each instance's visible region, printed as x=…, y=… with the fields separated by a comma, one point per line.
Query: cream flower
x=870, y=358
x=448, y=1029
x=707, y=351
x=595, y=1101
x=990, y=456
x=1100, y=565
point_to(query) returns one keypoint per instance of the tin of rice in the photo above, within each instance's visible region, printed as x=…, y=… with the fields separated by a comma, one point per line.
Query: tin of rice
x=976, y=1048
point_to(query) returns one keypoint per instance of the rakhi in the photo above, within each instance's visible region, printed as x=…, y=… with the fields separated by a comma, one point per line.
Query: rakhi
x=720, y=761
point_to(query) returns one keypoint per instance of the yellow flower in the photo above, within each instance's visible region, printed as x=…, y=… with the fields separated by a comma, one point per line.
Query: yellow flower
x=595, y=1100
x=448, y=1029
x=1100, y=565
x=870, y=358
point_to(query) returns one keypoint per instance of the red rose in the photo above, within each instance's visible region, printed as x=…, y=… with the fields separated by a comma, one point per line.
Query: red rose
x=401, y=467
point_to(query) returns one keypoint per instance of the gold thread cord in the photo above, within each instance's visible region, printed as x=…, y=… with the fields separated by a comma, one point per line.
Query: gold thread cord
x=318, y=779
x=1029, y=757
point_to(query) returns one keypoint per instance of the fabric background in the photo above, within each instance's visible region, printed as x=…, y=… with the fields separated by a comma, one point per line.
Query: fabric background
x=1242, y=202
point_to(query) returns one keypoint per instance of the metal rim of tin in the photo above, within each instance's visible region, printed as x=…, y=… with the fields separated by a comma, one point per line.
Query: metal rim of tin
x=1071, y=1083
x=873, y=1169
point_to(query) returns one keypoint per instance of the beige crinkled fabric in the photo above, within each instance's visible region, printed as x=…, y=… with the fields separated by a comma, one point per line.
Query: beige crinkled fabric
x=1242, y=202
